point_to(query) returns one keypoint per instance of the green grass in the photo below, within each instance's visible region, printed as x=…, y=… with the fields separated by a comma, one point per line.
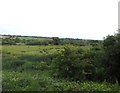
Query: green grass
x=43, y=82
x=29, y=49
x=27, y=68
x=51, y=49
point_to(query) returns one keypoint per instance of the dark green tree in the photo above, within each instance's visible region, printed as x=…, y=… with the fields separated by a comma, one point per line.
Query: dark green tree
x=112, y=50
x=56, y=40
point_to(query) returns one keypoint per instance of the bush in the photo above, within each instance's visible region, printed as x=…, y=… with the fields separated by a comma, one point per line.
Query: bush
x=72, y=65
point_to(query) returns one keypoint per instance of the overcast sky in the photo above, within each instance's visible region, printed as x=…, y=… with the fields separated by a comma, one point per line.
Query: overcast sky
x=85, y=19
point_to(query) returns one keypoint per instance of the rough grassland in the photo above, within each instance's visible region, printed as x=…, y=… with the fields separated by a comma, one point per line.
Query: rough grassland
x=27, y=68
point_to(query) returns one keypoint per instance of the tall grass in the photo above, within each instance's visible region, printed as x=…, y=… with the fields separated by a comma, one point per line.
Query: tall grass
x=30, y=71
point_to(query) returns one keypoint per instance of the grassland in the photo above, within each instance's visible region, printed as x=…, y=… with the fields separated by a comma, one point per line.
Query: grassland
x=28, y=68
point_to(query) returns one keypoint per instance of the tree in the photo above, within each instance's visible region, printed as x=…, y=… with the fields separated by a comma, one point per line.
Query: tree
x=112, y=50
x=56, y=40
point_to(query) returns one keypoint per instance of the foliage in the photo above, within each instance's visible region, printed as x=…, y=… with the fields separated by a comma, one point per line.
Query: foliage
x=56, y=40
x=15, y=81
x=112, y=50
x=73, y=65
x=38, y=42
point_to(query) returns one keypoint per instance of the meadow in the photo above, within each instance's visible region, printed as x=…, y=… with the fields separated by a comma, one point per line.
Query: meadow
x=31, y=68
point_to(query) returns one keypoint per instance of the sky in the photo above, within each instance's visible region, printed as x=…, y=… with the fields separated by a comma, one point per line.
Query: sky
x=84, y=19
x=119, y=15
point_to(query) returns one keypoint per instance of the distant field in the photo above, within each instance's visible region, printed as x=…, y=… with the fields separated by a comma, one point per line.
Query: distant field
x=33, y=38
x=23, y=49
x=30, y=50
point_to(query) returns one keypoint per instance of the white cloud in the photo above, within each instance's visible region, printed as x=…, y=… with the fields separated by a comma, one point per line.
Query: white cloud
x=63, y=18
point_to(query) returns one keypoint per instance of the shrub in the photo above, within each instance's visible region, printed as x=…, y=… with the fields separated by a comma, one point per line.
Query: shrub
x=71, y=64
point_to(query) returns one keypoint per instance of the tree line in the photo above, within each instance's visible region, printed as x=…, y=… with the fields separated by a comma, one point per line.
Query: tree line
x=14, y=40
